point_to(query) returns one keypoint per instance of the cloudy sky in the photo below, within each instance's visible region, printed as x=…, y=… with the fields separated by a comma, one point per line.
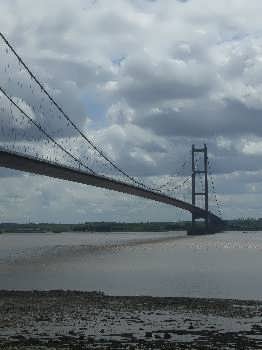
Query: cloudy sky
x=144, y=80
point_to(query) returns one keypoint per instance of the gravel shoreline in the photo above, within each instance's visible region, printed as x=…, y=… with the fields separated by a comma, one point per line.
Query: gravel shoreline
x=92, y=320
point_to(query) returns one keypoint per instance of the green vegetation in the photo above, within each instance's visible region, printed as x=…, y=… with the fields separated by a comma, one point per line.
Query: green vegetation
x=244, y=224
x=248, y=224
x=95, y=227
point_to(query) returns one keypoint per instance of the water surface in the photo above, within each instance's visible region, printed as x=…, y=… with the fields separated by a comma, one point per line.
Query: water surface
x=226, y=265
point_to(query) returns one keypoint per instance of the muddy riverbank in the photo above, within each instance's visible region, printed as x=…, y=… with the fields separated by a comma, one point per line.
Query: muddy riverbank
x=82, y=320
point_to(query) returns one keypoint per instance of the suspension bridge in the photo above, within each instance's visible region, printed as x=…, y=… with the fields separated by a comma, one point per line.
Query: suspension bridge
x=37, y=136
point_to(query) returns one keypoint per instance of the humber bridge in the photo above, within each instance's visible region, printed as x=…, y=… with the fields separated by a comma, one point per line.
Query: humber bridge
x=38, y=135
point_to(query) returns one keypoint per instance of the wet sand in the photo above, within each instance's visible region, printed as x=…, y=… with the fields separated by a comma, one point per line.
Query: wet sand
x=82, y=320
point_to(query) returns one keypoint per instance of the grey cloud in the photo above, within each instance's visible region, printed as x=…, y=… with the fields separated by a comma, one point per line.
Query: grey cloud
x=20, y=86
x=237, y=163
x=83, y=74
x=205, y=120
x=151, y=83
x=9, y=173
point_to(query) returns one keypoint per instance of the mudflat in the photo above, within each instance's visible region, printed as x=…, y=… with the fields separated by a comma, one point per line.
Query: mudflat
x=92, y=320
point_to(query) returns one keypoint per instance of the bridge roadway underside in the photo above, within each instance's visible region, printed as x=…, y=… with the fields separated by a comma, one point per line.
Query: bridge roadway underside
x=33, y=165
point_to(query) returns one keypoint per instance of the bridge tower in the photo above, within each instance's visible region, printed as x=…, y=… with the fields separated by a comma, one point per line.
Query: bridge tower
x=196, y=179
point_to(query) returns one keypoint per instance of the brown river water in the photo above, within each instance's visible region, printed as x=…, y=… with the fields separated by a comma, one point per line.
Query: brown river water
x=226, y=265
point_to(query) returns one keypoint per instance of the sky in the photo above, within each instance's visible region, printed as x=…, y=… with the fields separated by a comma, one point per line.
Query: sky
x=145, y=80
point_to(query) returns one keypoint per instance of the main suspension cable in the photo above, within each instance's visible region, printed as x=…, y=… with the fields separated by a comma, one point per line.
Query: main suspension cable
x=39, y=127
x=43, y=89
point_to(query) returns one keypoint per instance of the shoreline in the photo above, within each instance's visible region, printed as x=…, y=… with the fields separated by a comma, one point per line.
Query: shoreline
x=60, y=319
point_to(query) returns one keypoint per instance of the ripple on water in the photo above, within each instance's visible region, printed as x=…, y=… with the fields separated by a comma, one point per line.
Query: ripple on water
x=168, y=264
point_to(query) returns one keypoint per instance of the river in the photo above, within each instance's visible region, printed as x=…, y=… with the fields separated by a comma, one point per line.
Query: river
x=226, y=265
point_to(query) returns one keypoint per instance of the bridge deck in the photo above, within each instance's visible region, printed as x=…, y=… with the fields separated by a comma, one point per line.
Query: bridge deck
x=34, y=165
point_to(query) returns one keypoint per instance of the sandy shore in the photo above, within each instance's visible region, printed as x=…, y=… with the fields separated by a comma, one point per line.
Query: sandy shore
x=81, y=320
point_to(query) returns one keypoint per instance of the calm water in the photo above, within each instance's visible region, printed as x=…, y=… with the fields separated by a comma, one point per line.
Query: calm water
x=225, y=265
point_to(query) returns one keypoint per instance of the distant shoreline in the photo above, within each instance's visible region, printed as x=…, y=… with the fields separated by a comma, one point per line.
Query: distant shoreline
x=249, y=224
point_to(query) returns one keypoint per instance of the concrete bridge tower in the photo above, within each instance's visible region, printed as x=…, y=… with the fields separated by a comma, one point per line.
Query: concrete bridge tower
x=197, y=172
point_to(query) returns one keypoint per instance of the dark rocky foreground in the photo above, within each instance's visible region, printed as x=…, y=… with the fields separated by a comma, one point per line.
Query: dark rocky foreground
x=81, y=320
